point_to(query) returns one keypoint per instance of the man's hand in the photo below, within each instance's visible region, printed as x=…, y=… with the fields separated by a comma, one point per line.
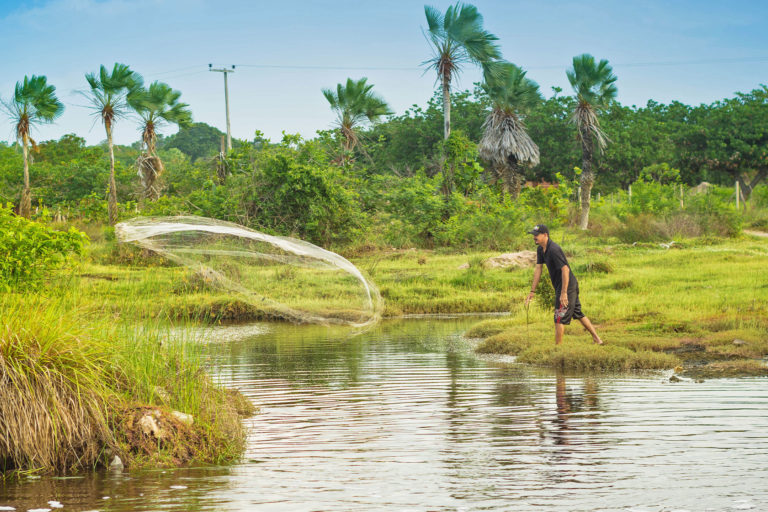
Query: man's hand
x=564, y=299
x=529, y=298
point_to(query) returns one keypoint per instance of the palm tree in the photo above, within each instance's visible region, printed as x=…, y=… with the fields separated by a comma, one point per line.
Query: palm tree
x=595, y=88
x=505, y=142
x=108, y=96
x=354, y=104
x=156, y=106
x=457, y=37
x=34, y=102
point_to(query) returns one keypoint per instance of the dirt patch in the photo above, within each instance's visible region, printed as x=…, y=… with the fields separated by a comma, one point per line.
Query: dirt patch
x=512, y=259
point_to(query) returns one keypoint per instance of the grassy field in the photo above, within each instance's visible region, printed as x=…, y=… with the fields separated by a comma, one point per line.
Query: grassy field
x=700, y=305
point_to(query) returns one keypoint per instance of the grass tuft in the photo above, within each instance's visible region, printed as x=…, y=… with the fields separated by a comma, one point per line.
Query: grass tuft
x=70, y=382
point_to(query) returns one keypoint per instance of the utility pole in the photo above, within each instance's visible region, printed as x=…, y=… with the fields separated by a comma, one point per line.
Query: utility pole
x=226, y=99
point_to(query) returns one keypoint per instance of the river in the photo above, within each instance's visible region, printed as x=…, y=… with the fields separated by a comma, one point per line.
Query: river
x=407, y=417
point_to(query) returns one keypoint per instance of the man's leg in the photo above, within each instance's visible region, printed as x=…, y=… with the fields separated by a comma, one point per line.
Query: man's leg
x=559, y=330
x=591, y=328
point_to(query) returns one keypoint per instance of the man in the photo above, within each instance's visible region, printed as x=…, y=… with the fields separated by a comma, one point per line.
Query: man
x=566, y=287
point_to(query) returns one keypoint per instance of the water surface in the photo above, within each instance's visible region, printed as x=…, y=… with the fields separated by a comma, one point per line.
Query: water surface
x=406, y=417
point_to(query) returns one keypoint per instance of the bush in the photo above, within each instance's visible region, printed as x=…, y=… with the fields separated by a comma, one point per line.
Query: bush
x=29, y=250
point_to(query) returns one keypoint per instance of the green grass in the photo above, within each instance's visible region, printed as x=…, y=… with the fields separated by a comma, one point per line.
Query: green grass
x=657, y=308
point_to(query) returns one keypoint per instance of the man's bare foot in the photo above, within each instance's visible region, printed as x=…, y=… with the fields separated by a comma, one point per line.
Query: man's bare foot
x=598, y=341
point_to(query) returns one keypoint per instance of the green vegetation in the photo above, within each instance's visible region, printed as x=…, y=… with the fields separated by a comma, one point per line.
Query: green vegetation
x=696, y=305
x=29, y=250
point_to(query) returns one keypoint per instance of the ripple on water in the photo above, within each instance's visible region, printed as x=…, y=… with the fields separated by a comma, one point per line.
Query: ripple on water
x=405, y=417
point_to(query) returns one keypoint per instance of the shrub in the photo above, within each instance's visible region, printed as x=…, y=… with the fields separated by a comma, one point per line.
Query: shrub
x=29, y=250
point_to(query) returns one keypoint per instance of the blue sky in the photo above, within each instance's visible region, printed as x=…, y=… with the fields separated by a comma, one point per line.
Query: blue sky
x=691, y=51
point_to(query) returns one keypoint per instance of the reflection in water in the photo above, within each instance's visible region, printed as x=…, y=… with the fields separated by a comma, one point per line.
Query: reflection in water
x=405, y=417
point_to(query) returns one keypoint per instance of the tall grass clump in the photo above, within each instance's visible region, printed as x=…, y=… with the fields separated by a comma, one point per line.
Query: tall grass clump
x=55, y=398
x=74, y=390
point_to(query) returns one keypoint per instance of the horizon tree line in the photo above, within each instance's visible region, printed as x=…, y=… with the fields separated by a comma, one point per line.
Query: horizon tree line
x=457, y=38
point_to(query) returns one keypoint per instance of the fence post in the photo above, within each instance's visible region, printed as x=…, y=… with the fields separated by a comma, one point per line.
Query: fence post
x=738, y=193
x=681, y=197
x=630, y=193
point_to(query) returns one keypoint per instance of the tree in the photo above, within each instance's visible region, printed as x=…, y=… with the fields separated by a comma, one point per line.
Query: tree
x=457, y=38
x=198, y=140
x=354, y=103
x=156, y=106
x=109, y=96
x=737, y=139
x=406, y=142
x=34, y=102
x=506, y=143
x=595, y=89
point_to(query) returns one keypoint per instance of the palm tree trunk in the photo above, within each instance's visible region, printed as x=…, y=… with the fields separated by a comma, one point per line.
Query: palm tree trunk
x=25, y=205
x=112, y=197
x=446, y=107
x=587, y=175
x=514, y=176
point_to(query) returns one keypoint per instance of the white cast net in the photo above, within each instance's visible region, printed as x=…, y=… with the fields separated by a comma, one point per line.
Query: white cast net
x=280, y=276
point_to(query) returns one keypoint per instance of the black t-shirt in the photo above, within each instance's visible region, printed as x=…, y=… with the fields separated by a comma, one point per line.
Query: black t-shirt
x=555, y=260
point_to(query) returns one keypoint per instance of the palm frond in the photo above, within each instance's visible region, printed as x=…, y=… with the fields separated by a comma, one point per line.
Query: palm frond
x=593, y=83
x=34, y=102
x=585, y=119
x=505, y=136
x=354, y=104
x=509, y=89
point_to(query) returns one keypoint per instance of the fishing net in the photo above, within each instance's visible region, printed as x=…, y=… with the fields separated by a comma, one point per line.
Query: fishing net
x=282, y=277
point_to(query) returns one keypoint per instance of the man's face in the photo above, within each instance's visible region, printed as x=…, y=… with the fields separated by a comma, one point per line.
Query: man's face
x=540, y=239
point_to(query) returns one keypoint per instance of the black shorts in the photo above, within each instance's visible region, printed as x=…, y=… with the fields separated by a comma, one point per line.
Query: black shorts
x=572, y=311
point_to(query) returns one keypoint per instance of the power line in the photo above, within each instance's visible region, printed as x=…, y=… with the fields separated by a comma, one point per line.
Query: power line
x=745, y=60
x=329, y=68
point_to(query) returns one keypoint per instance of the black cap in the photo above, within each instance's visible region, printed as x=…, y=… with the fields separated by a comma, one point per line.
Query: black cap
x=539, y=229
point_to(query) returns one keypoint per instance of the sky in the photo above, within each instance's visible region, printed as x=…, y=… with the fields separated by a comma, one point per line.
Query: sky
x=286, y=52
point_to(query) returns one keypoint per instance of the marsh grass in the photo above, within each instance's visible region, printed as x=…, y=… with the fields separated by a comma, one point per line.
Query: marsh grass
x=704, y=303
x=70, y=379
x=55, y=402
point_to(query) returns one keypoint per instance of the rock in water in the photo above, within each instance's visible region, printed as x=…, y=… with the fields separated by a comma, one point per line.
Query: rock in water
x=116, y=464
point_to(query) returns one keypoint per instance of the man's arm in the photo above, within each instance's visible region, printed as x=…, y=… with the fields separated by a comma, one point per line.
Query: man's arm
x=536, y=277
x=566, y=273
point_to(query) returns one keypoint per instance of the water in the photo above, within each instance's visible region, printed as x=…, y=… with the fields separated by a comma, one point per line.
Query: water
x=405, y=417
